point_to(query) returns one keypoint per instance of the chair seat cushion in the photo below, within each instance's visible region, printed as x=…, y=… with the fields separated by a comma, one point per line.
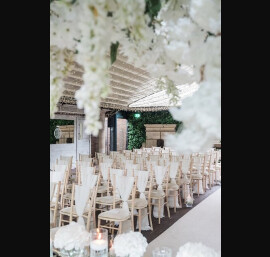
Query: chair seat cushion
x=67, y=196
x=115, y=214
x=173, y=186
x=197, y=176
x=102, y=189
x=66, y=211
x=69, y=186
x=157, y=194
x=184, y=181
x=106, y=199
x=138, y=203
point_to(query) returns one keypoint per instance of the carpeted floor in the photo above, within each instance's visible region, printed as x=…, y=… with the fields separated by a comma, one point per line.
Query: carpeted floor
x=201, y=224
x=180, y=212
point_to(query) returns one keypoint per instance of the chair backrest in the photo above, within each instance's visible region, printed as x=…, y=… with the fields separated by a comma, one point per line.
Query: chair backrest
x=173, y=169
x=124, y=186
x=54, y=201
x=117, y=172
x=83, y=156
x=84, y=173
x=197, y=161
x=159, y=173
x=67, y=158
x=142, y=180
x=60, y=167
x=104, y=170
x=131, y=168
x=185, y=165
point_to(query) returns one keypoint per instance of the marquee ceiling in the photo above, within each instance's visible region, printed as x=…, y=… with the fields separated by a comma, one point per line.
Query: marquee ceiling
x=133, y=89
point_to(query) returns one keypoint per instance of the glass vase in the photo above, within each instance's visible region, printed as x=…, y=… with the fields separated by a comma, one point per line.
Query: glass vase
x=162, y=252
x=73, y=253
x=99, y=242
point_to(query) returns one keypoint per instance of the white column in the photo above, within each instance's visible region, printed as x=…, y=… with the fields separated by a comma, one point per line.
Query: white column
x=102, y=135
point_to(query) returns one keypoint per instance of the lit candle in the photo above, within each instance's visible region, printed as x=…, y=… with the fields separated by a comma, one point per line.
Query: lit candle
x=98, y=244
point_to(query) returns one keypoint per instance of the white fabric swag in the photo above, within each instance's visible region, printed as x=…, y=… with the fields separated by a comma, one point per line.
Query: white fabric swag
x=116, y=172
x=104, y=167
x=60, y=167
x=82, y=194
x=85, y=164
x=173, y=168
x=160, y=172
x=86, y=173
x=124, y=185
x=55, y=177
x=141, y=185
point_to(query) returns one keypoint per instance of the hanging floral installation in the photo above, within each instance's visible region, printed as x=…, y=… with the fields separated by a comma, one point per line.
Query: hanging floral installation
x=176, y=41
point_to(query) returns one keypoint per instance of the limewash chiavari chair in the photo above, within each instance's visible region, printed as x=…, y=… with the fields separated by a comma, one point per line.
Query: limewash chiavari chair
x=173, y=187
x=87, y=215
x=54, y=201
x=143, y=203
x=185, y=181
x=84, y=196
x=69, y=160
x=84, y=171
x=205, y=171
x=197, y=177
x=159, y=196
x=103, y=203
x=123, y=186
x=80, y=164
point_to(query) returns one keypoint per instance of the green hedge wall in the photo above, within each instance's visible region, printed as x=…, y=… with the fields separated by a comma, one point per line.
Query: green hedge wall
x=136, y=129
x=53, y=124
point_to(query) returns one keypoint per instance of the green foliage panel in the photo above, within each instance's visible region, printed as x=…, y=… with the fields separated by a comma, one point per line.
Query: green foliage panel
x=136, y=128
x=53, y=124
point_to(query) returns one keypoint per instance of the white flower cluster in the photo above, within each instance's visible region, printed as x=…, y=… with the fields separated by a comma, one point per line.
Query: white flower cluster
x=72, y=236
x=94, y=25
x=60, y=60
x=183, y=46
x=132, y=244
x=196, y=250
x=189, y=200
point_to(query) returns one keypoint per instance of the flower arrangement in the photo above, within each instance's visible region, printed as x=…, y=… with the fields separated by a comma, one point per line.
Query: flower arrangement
x=132, y=244
x=196, y=250
x=177, y=41
x=71, y=237
x=189, y=200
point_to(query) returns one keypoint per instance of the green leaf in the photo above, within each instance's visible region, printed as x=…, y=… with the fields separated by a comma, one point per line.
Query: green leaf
x=152, y=8
x=114, y=48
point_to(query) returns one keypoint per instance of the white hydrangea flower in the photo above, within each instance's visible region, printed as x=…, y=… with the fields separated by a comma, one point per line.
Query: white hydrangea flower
x=72, y=236
x=132, y=244
x=207, y=13
x=196, y=250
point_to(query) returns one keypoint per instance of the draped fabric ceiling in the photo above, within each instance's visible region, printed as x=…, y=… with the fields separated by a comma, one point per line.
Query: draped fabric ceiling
x=132, y=88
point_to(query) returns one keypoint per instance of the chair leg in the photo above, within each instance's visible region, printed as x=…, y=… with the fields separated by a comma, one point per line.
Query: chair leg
x=180, y=200
x=60, y=220
x=120, y=228
x=174, y=198
x=159, y=211
x=168, y=209
x=99, y=220
x=150, y=216
x=132, y=221
x=140, y=220
x=198, y=181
